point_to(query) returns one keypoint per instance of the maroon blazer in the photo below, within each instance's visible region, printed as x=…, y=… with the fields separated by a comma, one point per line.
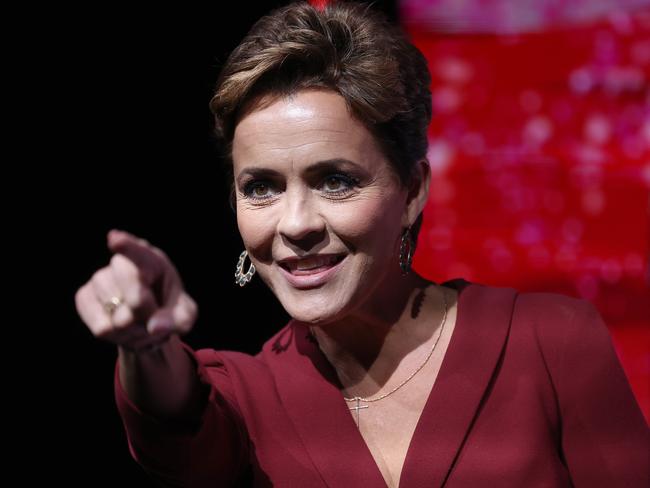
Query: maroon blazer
x=530, y=394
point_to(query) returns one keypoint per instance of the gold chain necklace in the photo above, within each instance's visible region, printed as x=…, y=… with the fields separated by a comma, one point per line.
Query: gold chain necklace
x=358, y=399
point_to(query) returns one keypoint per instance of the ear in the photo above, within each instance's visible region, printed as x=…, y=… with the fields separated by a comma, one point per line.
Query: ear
x=418, y=192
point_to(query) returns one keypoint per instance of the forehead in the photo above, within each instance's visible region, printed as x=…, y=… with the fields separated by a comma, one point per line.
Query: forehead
x=309, y=124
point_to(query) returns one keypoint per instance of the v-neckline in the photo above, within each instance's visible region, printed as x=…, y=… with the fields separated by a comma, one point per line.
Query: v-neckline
x=446, y=338
x=309, y=389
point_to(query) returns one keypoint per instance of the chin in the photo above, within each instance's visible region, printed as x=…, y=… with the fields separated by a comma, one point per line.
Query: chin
x=314, y=306
x=310, y=312
x=309, y=316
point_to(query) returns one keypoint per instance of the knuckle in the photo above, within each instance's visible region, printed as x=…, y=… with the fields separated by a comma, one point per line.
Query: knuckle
x=79, y=296
x=122, y=318
x=95, y=277
x=115, y=260
x=103, y=329
x=123, y=265
x=99, y=276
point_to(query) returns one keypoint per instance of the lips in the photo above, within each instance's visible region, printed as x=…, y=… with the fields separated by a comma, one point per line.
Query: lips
x=311, y=264
x=319, y=270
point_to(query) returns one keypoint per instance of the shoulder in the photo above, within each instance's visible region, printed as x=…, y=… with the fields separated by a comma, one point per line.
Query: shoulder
x=226, y=363
x=552, y=317
x=224, y=359
x=559, y=323
x=557, y=314
x=281, y=341
x=568, y=331
x=556, y=307
x=531, y=303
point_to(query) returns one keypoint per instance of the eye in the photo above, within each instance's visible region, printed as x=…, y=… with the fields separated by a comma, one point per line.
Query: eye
x=257, y=190
x=334, y=185
x=340, y=184
x=334, y=182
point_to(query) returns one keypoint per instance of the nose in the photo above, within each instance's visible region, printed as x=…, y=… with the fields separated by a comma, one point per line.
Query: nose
x=300, y=218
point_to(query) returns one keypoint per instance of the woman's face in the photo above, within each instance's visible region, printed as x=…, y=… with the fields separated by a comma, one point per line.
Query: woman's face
x=310, y=179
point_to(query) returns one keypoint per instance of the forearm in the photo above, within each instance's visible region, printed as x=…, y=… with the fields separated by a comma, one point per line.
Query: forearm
x=178, y=426
x=163, y=382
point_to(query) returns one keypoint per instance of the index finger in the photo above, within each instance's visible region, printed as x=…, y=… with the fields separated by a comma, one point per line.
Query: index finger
x=150, y=261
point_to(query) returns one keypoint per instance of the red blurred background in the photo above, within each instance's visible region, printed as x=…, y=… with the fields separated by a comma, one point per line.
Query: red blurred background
x=540, y=151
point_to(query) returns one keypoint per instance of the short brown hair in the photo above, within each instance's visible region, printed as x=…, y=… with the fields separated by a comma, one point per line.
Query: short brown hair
x=345, y=47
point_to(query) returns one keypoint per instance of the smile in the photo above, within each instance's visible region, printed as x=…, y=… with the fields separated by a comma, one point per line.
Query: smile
x=311, y=272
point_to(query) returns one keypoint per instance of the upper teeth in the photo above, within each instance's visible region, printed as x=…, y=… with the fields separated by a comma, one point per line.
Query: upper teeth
x=312, y=262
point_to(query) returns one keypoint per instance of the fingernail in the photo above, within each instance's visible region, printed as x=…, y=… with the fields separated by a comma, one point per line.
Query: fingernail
x=156, y=325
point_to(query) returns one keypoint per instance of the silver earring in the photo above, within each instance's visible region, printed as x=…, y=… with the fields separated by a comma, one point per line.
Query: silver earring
x=406, y=249
x=240, y=278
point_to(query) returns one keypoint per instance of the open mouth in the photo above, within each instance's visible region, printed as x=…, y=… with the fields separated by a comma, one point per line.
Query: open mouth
x=312, y=265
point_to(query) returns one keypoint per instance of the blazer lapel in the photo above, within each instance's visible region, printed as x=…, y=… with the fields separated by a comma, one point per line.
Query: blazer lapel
x=310, y=393
x=482, y=325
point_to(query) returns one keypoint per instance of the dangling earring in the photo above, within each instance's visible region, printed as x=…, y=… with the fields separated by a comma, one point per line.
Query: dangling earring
x=406, y=249
x=240, y=278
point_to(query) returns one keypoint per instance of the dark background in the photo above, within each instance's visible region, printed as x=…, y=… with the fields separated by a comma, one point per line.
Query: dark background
x=131, y=128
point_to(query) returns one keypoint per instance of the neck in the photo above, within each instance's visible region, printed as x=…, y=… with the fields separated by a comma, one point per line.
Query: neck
x=366, y=348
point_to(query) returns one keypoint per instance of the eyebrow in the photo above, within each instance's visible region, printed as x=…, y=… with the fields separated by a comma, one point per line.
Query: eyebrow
x=317, y=167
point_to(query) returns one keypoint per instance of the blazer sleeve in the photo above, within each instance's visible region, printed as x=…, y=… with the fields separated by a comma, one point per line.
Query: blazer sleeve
x=206, y=452
x=605, y=439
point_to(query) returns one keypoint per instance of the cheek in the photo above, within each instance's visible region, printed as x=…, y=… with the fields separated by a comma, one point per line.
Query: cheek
x=255, y=228
x=365, y=224
x=369, y=223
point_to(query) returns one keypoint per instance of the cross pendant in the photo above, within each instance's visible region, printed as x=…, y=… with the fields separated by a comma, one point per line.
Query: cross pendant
x=357, y=408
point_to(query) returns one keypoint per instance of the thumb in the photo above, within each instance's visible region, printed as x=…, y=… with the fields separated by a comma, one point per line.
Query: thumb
x=161, y=321
x=178, y=315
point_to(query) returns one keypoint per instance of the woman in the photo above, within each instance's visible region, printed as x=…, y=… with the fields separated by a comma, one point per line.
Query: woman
x=381, y=377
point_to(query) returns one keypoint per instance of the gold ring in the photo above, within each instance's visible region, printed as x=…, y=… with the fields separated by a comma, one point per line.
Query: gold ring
x=112, y=304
